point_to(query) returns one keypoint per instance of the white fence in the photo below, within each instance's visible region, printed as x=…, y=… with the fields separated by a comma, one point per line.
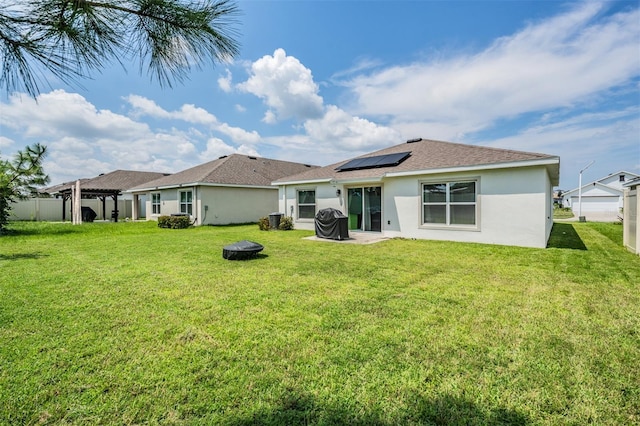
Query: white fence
x=50, y=209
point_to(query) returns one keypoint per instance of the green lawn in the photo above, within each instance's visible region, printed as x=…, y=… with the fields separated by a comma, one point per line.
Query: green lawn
x=127, y=323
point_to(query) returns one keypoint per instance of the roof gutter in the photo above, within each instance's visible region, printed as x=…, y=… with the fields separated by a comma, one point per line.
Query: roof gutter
x=493, y=166
x=301, y=182
x=184, y=185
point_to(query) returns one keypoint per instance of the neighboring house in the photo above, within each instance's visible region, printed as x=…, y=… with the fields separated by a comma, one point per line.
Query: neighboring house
x=433, y=190
x=232, y=189
x=601, y=199
x=631, y=222
x=103, y=193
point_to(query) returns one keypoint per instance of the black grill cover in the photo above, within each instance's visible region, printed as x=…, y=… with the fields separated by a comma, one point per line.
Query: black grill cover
x=241, y=250
x=88, y=215
x=332, y=224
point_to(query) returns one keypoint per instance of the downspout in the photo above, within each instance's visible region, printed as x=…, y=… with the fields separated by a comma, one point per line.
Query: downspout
x=195, y=196
x=284, y=193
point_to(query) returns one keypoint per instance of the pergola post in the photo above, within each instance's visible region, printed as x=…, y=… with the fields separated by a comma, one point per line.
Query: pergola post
x=115, y=208
x=134, y=207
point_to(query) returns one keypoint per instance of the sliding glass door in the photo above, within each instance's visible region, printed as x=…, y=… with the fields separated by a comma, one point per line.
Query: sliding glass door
x=365, y=208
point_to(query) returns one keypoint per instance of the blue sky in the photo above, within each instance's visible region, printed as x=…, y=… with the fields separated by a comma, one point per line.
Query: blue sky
x=323, y=81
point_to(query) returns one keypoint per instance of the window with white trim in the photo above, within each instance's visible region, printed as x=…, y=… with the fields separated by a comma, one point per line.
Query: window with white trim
x=449, y=203
x=186, y=202
x=306, y=204
x=155, y=203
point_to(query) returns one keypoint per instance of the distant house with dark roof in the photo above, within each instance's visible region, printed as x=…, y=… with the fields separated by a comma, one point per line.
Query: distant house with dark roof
x=231, y=189
x=433, y=190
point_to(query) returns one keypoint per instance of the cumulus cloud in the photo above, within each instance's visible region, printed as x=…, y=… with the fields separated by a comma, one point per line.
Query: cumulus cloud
x=84, y=141
x=188, y=112
x=191, y=114
x=351, y=133
x=224, y=82
x=217, y=148
x=59, y=113
x=286, y=87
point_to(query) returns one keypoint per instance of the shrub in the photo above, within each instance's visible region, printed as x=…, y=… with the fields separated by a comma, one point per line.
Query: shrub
x=174, y=222
x=286, y=223
x=263, y=223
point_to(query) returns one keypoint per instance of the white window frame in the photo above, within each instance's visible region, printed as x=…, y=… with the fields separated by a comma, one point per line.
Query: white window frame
x=314, y=204
x=186, y=204
x=155, y=204
x=448, y=203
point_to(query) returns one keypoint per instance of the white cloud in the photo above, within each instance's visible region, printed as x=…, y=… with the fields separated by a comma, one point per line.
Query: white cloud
x=193, y=115
x=239, y=135
x=612, y=138
x=351, y=133
x=83, y=141
x=225, y=82
x=59, y=114
x=188, y=113
x=5, y=143
x=286, y=86
x=554, y=63
x=217, y=148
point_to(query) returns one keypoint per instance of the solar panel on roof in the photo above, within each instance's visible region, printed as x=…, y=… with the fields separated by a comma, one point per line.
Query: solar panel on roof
x=386, y=160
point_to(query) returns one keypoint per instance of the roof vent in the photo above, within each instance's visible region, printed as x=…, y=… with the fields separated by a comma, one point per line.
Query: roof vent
x=252, y=158
x=221, y=157
x=414, y=140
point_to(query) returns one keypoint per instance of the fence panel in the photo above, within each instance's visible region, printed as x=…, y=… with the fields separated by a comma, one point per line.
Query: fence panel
x=50, y=209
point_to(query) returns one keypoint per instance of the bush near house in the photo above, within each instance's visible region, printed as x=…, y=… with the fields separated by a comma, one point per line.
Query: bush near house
x=286, y=224
x=263, y=223
x=174, y=222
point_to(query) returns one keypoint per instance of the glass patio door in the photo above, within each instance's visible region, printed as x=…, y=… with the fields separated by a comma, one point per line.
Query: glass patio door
x=365, y=208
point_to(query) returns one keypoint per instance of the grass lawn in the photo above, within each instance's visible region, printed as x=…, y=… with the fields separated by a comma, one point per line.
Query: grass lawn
x=127, y=323
x=562, y=213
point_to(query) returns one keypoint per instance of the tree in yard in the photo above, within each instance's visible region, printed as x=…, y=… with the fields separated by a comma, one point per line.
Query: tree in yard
x=68, y=39
x=18, y=178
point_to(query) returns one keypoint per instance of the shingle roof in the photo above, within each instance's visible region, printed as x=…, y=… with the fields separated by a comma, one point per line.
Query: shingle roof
x=427, y=155
x=117, y=180
x=235, y=169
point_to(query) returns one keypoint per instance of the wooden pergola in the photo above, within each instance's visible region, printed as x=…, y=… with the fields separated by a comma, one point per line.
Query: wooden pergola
x=102, y=187
x=101, y=194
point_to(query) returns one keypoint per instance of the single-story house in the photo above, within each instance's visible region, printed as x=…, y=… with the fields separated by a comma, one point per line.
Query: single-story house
x=602, y=199
x=631, y=222
x=435, y=190
x=231, y=189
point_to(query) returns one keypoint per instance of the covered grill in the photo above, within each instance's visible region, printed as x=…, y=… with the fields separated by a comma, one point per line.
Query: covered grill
x=242, y=250
x=332, y=224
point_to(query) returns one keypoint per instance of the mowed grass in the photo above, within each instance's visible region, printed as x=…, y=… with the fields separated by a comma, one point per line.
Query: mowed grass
x=128, y=323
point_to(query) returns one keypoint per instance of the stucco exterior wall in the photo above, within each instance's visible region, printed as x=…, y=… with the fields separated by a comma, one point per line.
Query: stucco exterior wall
x=227, y=205
x=224, y=205
x=514, y=206
x=50, y=209
x=168, y=203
